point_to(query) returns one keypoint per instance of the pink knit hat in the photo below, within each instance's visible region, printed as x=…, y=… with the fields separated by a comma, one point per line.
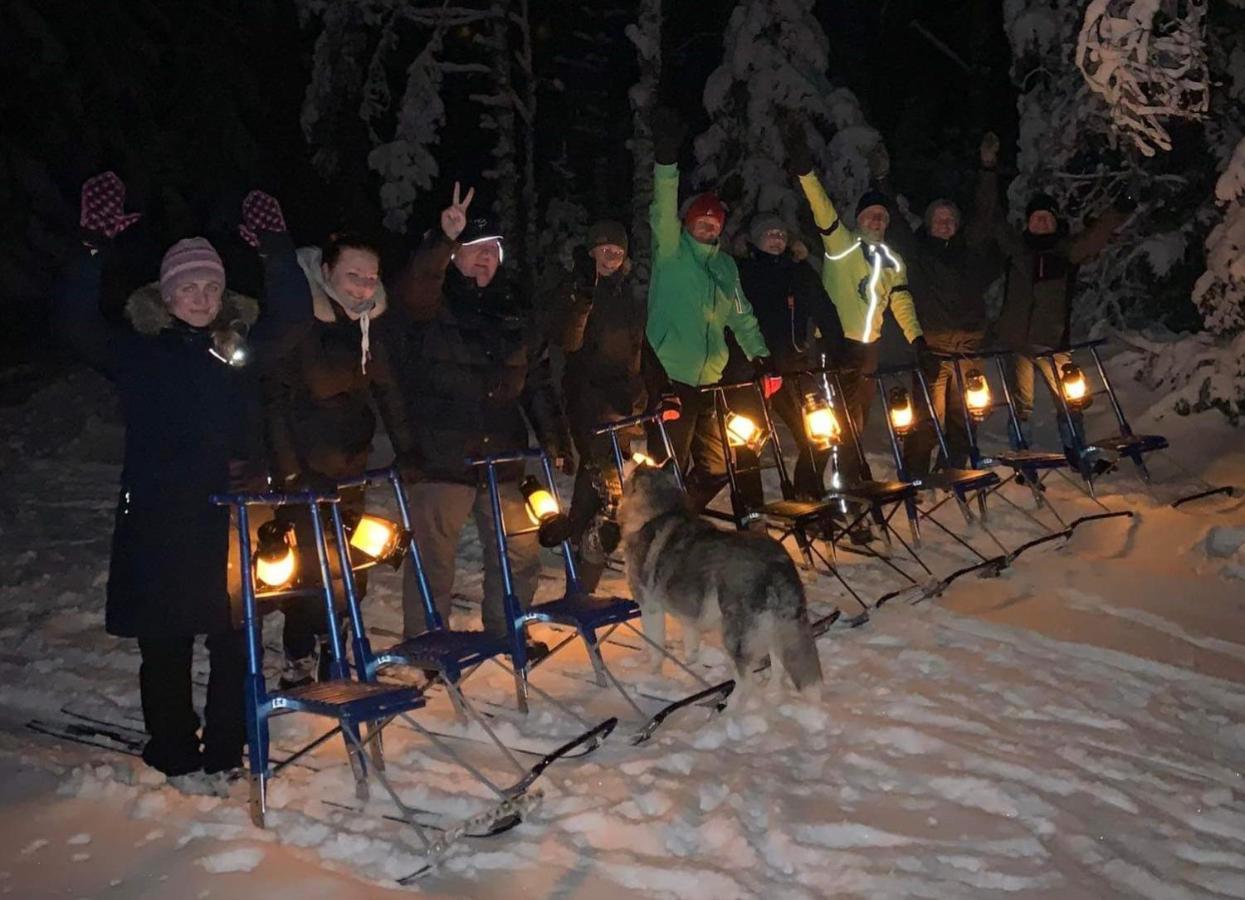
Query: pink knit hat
x=187, y=260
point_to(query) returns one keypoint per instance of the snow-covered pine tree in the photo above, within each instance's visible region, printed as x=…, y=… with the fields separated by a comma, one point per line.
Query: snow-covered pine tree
x=645, y=36
x=773, y=72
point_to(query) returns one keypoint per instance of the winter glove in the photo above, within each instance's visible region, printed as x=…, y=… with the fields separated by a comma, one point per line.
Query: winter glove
x=923, y=354
x=771, y=383
x=669, y=130
x=670, y=407
x=879, y=162
x=260, y=212
x=799, y=156
x=103, y=207
x=989, y=150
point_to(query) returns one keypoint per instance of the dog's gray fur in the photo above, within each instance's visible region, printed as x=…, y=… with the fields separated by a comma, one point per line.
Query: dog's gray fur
x=745, y=582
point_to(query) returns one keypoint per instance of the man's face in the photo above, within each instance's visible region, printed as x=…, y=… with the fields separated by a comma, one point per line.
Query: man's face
x=608, y=257
x=479, y=261
x=196, y=302
x=773, y=241
x=1042, y=221
x=873, y=221
x=943, y=223
x=705, y=229
x=355, y=276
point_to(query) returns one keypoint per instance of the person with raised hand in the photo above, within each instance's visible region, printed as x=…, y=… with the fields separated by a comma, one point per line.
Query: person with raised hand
x=694, y=296
x=864, y=277
x=186, y=368
x=474, y=373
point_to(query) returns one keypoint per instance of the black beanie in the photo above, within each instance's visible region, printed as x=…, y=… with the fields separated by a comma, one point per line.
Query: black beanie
x=872, y=198
x=1042, y=202
x=607, y=231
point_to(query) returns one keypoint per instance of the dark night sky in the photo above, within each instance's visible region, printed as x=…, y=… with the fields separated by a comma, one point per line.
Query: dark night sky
x=205, y=99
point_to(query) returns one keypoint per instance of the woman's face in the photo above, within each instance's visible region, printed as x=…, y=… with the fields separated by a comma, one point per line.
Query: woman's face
x=355, y=276
x=196, y=302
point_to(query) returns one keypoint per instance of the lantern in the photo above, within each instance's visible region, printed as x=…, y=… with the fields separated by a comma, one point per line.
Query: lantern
x=1075, y=387
x=643, y=459
x=977, y=394
x=741, y=431
x=375, y=537
x=542, y=509
x=820, y=423
x=275, y=559
x=900, y=407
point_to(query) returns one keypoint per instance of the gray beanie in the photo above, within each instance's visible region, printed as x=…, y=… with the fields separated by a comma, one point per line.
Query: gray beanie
x=763, y=222
x=607, y=232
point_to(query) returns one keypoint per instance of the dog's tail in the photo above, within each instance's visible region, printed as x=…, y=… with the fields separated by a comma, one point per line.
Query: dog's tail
x=793, y=640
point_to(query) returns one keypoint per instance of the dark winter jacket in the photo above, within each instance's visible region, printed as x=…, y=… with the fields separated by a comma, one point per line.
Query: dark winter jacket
x=948, y=279
x=472, y=365
x=319, y=400
x=599, y=323
x=189, y=417
x=785, y=295
x=1040, y=272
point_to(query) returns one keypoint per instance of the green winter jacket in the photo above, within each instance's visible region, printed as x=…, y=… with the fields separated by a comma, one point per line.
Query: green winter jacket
x=862, y=279
x=693, y=296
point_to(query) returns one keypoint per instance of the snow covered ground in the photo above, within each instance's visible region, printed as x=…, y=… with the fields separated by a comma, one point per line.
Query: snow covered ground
x=1073, y=728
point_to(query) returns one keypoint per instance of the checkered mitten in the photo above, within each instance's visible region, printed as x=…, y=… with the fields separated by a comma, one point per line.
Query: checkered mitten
x=103, y=206
x=260, y=212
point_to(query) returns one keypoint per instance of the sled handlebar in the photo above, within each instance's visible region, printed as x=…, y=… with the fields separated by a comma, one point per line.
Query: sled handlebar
x=510, y=456
x=273, y=498
x=628, y=422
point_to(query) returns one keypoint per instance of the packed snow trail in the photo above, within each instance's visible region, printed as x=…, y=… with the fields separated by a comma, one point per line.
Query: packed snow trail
x=1073, y=728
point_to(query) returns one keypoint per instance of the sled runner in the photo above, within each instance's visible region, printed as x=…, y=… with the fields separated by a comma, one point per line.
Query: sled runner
x=353, y=704
x=577, y=609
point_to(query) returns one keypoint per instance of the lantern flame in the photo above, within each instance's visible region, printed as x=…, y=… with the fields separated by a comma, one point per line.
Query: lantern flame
x=541, y=505
x=901, y=414
x=1075, y=388
x=977, y=393
x=820, y=423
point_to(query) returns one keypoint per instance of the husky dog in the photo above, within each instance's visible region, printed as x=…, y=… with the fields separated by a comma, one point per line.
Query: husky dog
x=744, y=582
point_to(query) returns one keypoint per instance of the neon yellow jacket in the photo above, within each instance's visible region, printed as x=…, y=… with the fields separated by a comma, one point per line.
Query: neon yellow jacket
x=693, y=295
x=862, y=279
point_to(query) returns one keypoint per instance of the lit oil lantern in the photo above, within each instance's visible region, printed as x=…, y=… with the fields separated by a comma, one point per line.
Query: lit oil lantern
x=742, y=431
x=275, y=559
x=375, y=537
x=902, y=416
x=820, y=423
x=1075, y=387
x=977, y=394
x=542, y=509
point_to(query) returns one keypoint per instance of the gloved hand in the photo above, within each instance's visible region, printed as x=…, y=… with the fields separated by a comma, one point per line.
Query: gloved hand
x=102, y=211
x=879, y=161
x=669, y=130
x=260, y=212
x=799, y=156
x=670, y=406
x=923, y=354
x=563, y=460
x=989, y=150
x=771, y=383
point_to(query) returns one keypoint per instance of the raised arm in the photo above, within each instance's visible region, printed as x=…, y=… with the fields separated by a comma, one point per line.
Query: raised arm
x=668, y=133
x=899, y=233
x=76, y=317
x=987, y=227
x=286, y=314
x=569, y=308
x=418, y=287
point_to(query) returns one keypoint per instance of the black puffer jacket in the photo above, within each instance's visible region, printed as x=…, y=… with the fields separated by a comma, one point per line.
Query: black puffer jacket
x=319, y=401
x=599, y=323
x=189, y=419
x=948, y=278
x=785, y=296
x=472, y=365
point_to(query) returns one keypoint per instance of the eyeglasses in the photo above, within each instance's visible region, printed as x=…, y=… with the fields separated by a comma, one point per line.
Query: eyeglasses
x=611, y=252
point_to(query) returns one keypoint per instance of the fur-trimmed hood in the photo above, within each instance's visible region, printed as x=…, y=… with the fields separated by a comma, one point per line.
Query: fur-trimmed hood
x=322, y=296
x=149, y=315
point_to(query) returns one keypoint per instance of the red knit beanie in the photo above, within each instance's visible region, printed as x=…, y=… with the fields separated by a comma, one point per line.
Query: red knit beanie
x=706, y=205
